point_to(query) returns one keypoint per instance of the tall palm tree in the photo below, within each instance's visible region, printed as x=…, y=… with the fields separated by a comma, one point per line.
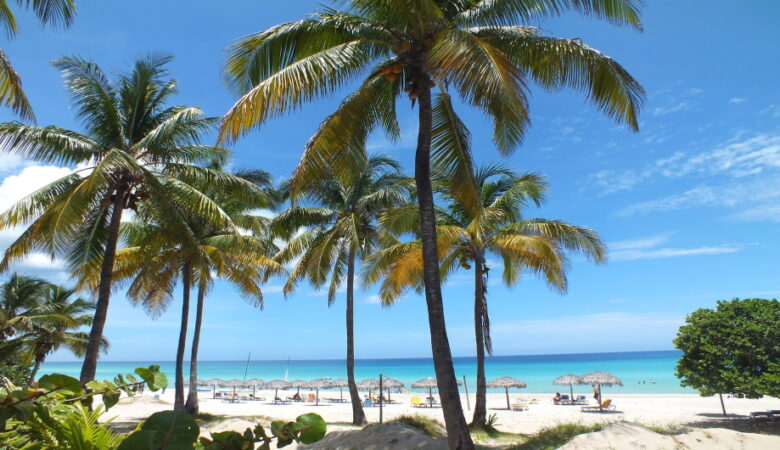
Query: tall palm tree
x=468, y=234
x=136, y=149
x=478, y=48
x=340, y=230
x=48, y=336
x=58, y=13
x=157, y=257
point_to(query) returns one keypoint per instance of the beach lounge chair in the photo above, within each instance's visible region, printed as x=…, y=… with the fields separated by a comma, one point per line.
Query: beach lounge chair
x=417, y=403
x=606, y=406
x=279, y=401
x=367, y=403
x=565, y=400
x=519, y=405
x=581, y=400
x=312, y=398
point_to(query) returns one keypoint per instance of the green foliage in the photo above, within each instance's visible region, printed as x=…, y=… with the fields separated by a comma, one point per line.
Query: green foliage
x=52, y=413
x=429, y=426
x=166, y=429
x=16, y=373
x=555, y=437
x=734, y=349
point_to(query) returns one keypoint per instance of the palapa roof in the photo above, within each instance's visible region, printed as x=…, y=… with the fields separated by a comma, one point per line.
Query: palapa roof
x=391, y=382
x=235, y=382
x=215, y=381
x=569, y=378
x=298, y=383
x=339, y=382
x=368, y=383
x=604, y=378
x=427, y=383
x=318, y=383
x=278, y=384
x=255, y=382
x=505, y=382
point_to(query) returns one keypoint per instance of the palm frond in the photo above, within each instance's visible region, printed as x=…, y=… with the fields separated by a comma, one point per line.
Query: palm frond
x=11, y=93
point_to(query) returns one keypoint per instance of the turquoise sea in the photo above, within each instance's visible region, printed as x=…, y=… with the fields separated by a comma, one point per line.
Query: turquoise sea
x=538, y=371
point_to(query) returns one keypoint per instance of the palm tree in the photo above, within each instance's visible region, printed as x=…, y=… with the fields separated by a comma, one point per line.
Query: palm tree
x=48, y=336
x=157, y=257
x=50, y=12
x=20, y=297
x=476, y=47
x=136, y=150
x=339, y=230
x=467, y=234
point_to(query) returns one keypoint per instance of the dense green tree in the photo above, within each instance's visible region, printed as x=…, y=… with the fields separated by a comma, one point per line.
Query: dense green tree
x=477, y=48
x=468, y=234
x=135, y=149
x=58, y=13
x=732, y=349
x=339, y=230
x=48, y=336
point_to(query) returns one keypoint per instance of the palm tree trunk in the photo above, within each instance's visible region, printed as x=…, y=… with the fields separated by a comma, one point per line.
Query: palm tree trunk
x=358, y=415
x=457, y=432
x=92, y=351
x=480, y=406
x=178, y=402
x=192, y=407
x=38, y=361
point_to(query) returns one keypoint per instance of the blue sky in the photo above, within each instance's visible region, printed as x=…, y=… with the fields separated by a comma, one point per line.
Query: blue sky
x=690, y=205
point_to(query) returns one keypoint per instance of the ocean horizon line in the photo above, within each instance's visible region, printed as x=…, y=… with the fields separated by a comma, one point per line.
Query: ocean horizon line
x=533, y=355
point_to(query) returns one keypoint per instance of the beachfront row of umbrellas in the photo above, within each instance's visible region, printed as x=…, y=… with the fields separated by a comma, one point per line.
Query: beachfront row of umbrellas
x=591, y=378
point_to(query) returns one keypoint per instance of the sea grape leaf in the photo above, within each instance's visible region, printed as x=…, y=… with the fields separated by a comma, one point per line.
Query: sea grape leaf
x=171, y=430
x=311, y=426
x=61, y=382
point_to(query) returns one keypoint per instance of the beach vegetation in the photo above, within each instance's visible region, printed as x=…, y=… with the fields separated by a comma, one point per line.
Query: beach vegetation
x=555, y=437
x=424, y=51
x=427, y=425
x=37, y=318
x=732, y=349
x=136, y=149
x=468, y=234
x=332, y=232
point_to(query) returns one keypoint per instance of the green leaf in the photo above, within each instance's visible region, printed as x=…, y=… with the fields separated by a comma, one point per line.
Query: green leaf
x=314, y=427
x=110, y=399
x=171, y=430
x=61, y=382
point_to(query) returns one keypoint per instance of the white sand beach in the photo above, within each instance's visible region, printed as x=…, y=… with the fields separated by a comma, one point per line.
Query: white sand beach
x=645, y=409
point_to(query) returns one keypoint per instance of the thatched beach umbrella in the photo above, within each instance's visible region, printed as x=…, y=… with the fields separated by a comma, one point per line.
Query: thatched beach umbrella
x=368, y=384
x=600, y=379
x=317, y=384
x=506, y=383
x=255, y=383
x=430, y=384
x=234, y=383
x=391, y=383
x=213, y=382
x=298, y=384
x=276, y=385
x=340, y=383
x=569, y=379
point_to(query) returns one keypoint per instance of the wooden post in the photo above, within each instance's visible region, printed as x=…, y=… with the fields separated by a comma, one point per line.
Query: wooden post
x=380, y=398
x=722, y=406
x=507, y=398
x=466, y=387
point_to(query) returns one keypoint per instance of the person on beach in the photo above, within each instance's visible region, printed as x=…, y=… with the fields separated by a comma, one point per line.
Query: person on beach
x=297, y=396
x=557, y=398
x=597, y=394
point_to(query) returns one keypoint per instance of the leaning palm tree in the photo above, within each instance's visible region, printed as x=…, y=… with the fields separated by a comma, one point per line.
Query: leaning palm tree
x=48, y=336
x=20, y=298
x=477, y=48
x=341, y=229
x=467, y=234
x=157, y=258
x=58, y=13
x=135, y=150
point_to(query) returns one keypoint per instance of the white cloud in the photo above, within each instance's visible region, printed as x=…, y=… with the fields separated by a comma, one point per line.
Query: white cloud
x=15, y=187
x=11, y=161
x=648, y=248
x=680, y=106
x=373, y=300
x=737, y=100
